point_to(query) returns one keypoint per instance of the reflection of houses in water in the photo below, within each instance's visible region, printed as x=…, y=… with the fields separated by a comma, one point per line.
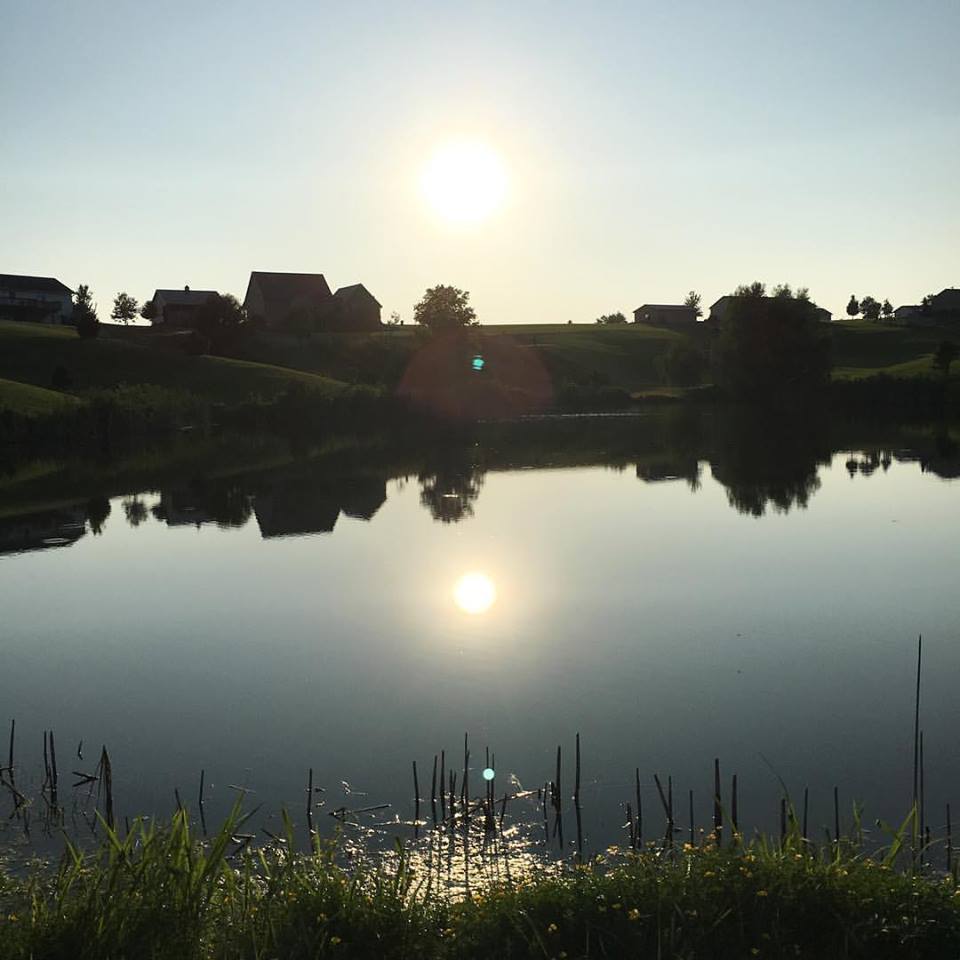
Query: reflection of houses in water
x=178, y=508
x=42, y=531
x=305, y=505
x=662, y=469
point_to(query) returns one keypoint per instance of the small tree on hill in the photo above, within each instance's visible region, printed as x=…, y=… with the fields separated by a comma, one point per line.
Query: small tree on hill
x=124, y=308
x=220, y=317
x=853, y=306
x=887, y=309
x=870, y=308
x=693, y=300
x=611, y=318
x=944, y=356
x=85, y=313
x=783, y=291
x=149, y=310
x=444, y=308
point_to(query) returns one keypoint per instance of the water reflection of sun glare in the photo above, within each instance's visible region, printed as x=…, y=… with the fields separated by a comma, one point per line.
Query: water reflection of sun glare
x=474, y=593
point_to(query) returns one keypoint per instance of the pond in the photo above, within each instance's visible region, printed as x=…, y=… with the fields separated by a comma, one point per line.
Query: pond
x=674, y=588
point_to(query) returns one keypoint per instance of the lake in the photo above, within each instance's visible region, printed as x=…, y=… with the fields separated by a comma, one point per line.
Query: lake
x=674, y=587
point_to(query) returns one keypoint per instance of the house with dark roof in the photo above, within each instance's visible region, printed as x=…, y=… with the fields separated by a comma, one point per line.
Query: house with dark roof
x=355, y=308
x=35, y=299
x=179, y=308
x=945, y=305
x=274, y=299
x=665, y=314
x=719, y=310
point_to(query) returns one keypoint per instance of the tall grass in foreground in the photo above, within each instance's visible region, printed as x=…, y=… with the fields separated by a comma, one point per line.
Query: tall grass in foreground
x=157, y=892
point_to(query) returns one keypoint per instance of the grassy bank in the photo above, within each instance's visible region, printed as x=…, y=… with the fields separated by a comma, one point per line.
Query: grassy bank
x=158, y=893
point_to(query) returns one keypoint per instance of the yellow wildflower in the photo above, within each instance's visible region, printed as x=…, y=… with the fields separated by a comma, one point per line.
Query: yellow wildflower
x=709, y=873
x=616, y=906
x=761, y=893
x=552, y=928
x=634, y=914
x=334, y=941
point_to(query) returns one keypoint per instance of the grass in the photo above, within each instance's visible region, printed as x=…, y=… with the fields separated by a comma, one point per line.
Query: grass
x=157, y=892
x=31, y=401
x=30, y=353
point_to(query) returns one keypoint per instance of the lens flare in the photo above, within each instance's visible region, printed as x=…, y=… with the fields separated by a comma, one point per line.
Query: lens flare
x=474, y=593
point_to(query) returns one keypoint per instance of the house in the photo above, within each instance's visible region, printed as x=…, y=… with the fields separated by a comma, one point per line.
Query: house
x=179, y=308
x=665, y=314
x=274, y=299
x=945, y=305
x=908, y=314
x=36, y=299
x=720, y=309
x=355, y=308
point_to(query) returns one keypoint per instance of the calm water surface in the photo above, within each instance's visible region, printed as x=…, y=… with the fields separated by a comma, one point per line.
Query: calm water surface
x=674, y=606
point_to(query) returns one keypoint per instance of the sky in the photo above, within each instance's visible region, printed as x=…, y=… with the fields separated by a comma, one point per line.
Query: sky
x=650, y=147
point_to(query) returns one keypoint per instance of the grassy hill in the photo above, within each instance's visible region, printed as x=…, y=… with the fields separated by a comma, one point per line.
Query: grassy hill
x=863, y=349
x=30, y=353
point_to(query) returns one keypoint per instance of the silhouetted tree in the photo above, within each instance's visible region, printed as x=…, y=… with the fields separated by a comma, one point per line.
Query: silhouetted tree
x=853, y=306
x=943, y=357
x=755, y=289
x=887, y=309
x=783, y=291
x=767, y=345
x=611, y=318
x=124, y=308
x=693, y=300
x=444, y=308
x=85, y=313
x=149, y=310
x=870, y=308
x=220, y=318
x=803, y=293
x=683, y=364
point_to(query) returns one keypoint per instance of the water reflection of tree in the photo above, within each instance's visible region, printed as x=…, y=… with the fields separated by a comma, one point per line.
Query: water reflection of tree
x=448, y=490
x=769, y=462
x=135, y=510
x=98, y=509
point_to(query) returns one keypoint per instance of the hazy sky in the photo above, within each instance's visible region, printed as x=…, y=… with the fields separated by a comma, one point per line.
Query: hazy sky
x=651, y=147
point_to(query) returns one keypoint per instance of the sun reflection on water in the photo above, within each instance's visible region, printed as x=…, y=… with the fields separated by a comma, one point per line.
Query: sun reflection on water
x=474, y=593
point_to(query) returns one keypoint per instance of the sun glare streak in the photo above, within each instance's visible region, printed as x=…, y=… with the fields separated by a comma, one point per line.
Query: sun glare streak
x=474, y=593
x=465, y=181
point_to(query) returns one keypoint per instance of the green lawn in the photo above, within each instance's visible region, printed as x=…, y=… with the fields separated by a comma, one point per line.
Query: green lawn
x=30, y=401
x=862, y=349
x=29, y=354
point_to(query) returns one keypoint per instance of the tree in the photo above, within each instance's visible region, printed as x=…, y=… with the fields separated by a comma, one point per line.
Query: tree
x=220, y=312
x=693, y=300
x=870, y=308
x=612, y=318
x=124, y=308
x=149, y=310
x=85, y=313
x=755, y=289
x=770, y=345
x=783, y=291
x=887, y=309
x=853, y=306
x=944, y=356
x=444, y=308
x=803, y=293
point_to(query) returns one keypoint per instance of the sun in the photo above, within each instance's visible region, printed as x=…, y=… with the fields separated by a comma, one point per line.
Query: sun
x=465, y=181
x=474, y=593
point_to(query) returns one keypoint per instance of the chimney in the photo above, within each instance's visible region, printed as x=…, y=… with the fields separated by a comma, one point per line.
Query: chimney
x=186, y=289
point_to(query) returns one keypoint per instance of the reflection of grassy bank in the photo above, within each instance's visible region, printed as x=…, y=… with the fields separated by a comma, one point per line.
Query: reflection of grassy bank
x=158, y=893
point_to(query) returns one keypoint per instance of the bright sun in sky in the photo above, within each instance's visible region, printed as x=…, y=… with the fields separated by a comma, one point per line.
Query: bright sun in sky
x=465, y=181
x=474, y=593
